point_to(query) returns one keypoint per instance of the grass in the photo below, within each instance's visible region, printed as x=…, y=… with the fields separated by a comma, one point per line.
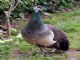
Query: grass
x=66, y=21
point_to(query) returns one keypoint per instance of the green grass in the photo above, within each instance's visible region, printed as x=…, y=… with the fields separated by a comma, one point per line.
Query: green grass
x=66, y=21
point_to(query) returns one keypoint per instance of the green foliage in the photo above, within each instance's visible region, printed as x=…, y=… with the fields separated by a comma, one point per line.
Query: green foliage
x=5, y=48
x=4, y=4
x=26, y=5
x=66, y=3
x=14, y=32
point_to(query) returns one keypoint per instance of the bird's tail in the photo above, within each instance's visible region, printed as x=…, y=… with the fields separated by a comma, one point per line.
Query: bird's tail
x=64, y=44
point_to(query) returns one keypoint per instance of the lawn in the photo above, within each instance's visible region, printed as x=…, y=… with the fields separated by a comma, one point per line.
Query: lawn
x=69, y=22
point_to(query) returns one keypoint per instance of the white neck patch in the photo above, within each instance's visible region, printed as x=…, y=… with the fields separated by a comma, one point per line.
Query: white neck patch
x=36, y=9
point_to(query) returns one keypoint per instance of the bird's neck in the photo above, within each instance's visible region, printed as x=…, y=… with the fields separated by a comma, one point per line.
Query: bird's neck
x=36, y=16
x=35, y=23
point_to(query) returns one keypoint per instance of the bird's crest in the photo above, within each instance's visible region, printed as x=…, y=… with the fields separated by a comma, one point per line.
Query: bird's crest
x=36, y=15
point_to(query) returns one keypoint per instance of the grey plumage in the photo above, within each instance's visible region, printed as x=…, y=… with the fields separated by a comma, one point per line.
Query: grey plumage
x=44, y=35
x=39, y=36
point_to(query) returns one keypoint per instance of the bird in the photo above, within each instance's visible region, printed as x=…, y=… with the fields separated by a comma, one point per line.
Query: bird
x=37, y=33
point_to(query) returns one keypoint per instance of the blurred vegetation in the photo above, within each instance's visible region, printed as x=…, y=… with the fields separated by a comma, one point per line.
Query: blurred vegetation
x=68, y=22
x=26, y=5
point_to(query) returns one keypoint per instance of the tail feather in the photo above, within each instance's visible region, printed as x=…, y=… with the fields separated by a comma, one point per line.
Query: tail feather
x=64, y=44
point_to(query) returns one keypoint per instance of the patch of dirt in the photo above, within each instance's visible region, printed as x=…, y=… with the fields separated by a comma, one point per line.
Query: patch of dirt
x=16, y=53
x=72, y=55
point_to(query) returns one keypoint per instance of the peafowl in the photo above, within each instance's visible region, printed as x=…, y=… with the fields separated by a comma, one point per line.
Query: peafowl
x=44, y=35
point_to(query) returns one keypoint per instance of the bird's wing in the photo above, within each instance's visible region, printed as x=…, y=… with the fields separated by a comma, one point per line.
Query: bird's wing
x=58, y=33
x=52, y=33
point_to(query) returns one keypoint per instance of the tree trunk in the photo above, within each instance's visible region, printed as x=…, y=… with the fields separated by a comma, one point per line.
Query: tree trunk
x=9, y=27
x=13, y=5
x=7, y=14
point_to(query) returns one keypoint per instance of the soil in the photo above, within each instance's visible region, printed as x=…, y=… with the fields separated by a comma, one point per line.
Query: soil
x=72, y=54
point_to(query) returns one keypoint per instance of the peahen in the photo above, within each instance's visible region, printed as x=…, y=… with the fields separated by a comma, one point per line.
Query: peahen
x=44, y=35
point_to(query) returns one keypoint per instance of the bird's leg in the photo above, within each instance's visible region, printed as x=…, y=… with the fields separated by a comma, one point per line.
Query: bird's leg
x=42, y=50
x=52, y=50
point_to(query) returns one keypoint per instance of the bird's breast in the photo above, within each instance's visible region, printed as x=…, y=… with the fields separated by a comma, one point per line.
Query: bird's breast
x=47, y=40
x=40, y=38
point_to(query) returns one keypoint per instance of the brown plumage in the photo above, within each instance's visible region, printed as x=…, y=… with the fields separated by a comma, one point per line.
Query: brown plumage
x=60, y=37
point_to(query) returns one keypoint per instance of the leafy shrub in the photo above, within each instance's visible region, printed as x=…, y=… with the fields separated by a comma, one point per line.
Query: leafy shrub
x=5, y=48
x=14, y=32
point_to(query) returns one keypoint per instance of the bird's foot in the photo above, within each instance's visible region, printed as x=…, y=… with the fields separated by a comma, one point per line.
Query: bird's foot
x=40, y=54
x=53, y=50
x=44, y=54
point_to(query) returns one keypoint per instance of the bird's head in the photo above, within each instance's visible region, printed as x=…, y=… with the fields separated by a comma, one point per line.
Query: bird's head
x=37, y=8
x=41, y=10
x=37, y=14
